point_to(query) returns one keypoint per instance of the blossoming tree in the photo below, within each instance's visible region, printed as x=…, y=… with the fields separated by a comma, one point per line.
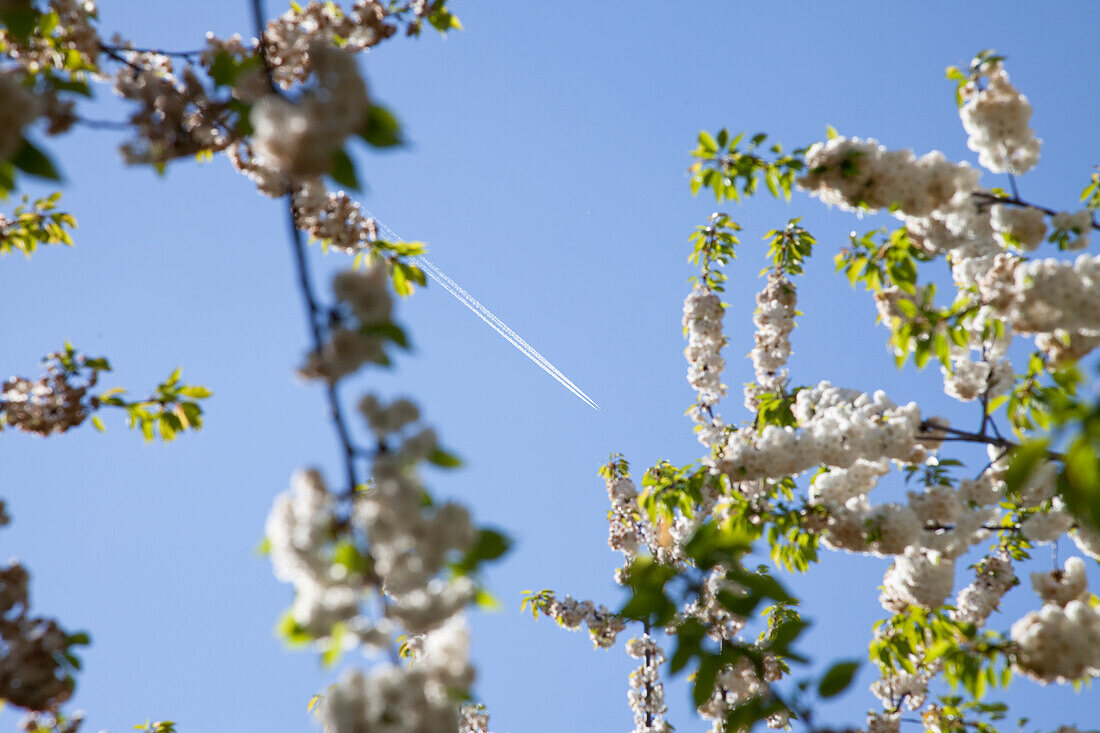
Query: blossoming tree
x=376, y=564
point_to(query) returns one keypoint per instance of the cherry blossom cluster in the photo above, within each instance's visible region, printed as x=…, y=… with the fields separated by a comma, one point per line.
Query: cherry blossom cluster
x=905, y=688
x=372, y=561
x=53, y=403
x=995, y=115
x=353, y=343
x=837, y=427
x=993, y=577
x=862, y=175
x=985, y=237
x=297, y=139
x=333, y=217
x=388, y=698
x=702, y=321
x=36, y=722
x=1048, y=295
x=720, y=624
x=175, y=116
x=1059, y=644
x=630, y=529
x=735, y=685
x=774, y=321
x=474, y=719
x=647, y=693
x=603, y=625
x=292, y=39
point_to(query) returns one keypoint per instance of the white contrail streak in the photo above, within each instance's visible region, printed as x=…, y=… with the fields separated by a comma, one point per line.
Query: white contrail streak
x=492, y=321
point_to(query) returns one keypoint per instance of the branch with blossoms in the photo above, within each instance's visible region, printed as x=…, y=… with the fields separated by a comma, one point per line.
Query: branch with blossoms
x=376, y=557
x=685, y=533
x=61, y=400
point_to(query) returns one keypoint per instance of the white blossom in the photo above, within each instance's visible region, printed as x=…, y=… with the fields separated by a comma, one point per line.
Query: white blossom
x=1059, y=644
x=996, y=118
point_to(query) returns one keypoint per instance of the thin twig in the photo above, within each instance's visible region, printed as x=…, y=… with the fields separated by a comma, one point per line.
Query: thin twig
x=1017, y=201
x=928, y=431
x=160, y=52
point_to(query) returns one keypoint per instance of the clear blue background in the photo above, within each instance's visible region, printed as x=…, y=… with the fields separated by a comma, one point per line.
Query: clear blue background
x=547, y=173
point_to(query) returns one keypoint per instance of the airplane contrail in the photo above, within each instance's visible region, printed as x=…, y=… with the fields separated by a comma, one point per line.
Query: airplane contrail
x=492, y=321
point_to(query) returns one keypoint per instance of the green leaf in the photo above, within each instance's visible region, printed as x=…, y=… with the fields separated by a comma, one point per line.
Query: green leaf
x=443, y=459
x=1024, y=460
x=20, y=21
x=291, y=631
x=705, y=678
x=489, y=545
x=343, y=170
x=381, y=129
x=34, y=162
x=486, y=601
x=838, y=678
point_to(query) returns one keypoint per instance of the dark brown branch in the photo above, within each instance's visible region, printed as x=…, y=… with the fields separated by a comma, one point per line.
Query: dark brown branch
x=1017, y=201
x=929, y=432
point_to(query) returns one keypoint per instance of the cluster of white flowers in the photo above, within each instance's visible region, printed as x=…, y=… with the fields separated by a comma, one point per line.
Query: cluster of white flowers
x=837, y=487
x=53, y=403
x=774, y=321
x=333, y=217
x=300, y=530
x=37, y=722
x=1020, y=227
x=629, y=529
x=388, y=698
x=603, y=625
x=293, y=38
x=409, y=545
x=883, y=529
x=1078, y=224
x=297, y=139
x=367, y=296
x=1041, y=296
x=919, y=577
x=903, y=689
x=1062, y=586
x=996, y=118
x=862, y=175
x=837, y=428
x=647, y=693
x=175, y=116
x=1087, y=539
x=883, y=723
x=1042, y=527
x=386, y=419
x=474, y=719
x=720, y=624
x=1059, y=644
x=993, y=577
x=735, y=685
x=968, y=378
x=45, y=406
x=702, y=321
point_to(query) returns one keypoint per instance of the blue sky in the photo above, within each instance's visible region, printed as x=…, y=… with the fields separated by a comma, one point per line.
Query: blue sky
x=547, y=173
